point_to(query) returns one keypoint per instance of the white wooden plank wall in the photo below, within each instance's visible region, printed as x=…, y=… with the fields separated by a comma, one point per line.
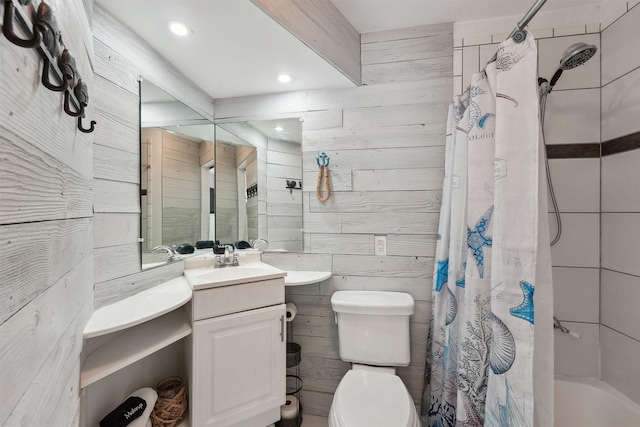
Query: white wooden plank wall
x=284, y=216
x=250, y=156
x=46, y=226
x=259, y=140
x=181, y=204
x=226, y=193
x=385, y=141
x=121, y=57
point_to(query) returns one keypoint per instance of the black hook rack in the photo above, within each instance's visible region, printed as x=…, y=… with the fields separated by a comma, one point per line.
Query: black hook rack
x=43, y=35
x=252, y=191
x=292, y=184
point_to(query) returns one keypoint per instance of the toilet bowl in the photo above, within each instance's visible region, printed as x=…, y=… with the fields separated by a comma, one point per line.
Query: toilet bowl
x=373, y=334
x=372, y=399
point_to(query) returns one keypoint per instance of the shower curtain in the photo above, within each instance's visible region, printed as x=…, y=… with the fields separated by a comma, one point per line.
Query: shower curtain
x=490, y=345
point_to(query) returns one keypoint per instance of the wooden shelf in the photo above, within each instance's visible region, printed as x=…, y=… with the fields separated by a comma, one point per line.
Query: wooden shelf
x=139, y=308
x=134, y=344
x=298, y=278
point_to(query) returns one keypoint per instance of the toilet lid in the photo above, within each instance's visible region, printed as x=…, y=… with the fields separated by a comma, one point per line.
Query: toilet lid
x=372, y=399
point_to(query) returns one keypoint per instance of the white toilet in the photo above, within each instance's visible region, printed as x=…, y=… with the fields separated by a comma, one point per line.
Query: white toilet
x=373, y=334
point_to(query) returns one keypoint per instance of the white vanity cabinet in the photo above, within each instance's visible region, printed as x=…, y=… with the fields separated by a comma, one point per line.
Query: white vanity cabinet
x=238, y=348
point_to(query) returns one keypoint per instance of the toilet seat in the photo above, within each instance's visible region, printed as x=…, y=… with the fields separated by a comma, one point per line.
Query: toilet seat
x=372, y=399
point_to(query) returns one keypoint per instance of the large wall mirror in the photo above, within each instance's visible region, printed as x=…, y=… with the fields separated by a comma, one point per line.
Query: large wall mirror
x=233, y=182
x=177, y=175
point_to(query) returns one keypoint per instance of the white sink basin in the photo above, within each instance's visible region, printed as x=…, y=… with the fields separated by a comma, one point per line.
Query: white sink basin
x=203, y=278
x=297, y=278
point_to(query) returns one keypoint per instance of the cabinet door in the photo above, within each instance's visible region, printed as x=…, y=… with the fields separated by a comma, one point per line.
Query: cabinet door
x=239, y=365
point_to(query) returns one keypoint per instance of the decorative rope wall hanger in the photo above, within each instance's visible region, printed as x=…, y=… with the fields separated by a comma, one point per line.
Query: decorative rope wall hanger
x=43, y=35
x=323, y=172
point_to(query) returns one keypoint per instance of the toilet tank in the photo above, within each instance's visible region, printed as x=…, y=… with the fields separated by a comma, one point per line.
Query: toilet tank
x=373, y=326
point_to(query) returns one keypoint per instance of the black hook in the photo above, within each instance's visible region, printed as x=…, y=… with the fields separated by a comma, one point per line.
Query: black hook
x=7, y=28
x=80, y=92
x=67, y=106
x=81, y=129
x=82, y=95
x=47, y=82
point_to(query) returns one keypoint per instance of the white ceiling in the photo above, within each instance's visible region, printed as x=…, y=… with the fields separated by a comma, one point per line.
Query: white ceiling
x=375, y=15
x=237, y=50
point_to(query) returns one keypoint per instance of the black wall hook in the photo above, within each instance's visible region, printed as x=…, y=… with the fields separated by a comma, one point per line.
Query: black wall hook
x=9, y=33
x=91, y=127
x=67, y=106
x=46, y=82
x=46, y=39
x=80, y=92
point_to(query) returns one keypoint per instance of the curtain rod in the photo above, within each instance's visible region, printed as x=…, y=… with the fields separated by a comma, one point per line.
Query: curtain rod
x=518, y=34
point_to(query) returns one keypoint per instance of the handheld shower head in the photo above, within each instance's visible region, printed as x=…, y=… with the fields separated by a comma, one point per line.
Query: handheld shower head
x=574, y=56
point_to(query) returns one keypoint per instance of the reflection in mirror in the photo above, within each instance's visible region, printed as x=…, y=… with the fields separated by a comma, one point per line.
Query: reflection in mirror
x=234, y=182
x=257, y=164
x=177, y=157
x=236, y=206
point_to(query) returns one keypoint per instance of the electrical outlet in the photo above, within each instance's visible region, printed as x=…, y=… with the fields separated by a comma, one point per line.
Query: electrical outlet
x=380, y=245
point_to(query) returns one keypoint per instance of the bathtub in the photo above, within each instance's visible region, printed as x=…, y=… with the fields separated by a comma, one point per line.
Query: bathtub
x=587, y=402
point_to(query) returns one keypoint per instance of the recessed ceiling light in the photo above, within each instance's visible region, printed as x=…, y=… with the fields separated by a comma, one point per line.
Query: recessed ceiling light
x=284, y=78
x=278, y=128
x=178, y=28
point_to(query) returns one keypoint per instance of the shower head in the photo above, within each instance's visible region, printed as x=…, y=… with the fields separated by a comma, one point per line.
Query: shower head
x=574, y=56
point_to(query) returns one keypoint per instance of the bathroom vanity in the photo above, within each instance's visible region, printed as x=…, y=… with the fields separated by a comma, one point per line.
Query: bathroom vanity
x=222, y=329
x=238, y=345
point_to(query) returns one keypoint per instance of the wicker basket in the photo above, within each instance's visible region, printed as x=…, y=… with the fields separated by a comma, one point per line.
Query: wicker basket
x=171, y=406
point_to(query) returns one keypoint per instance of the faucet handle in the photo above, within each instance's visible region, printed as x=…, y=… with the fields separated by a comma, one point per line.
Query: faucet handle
x=259, y=244
x=171, y=254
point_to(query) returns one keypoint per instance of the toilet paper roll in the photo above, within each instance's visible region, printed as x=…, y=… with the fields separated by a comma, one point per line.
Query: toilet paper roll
x=292, y=310
x=289, y=410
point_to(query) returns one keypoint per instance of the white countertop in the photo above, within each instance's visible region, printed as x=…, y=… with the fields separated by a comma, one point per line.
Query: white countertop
x=298, y=278
x=139, y=308
x=209, y=277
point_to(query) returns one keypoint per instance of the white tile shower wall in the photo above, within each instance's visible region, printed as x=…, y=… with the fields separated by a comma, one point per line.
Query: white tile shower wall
x=620, y=106
x=620, y=296
x=620, y=275
x=576, y=184
x=620, y=367
x=576, y=294
x=620, y=178
x=620, y=78
x=572, y=117
x=620, y=237
x=578, y=357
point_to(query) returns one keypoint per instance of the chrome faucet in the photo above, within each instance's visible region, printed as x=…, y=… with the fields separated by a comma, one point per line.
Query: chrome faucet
x=229, y=254
x=171, y=254
x=229, y=259
x=558, y=325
